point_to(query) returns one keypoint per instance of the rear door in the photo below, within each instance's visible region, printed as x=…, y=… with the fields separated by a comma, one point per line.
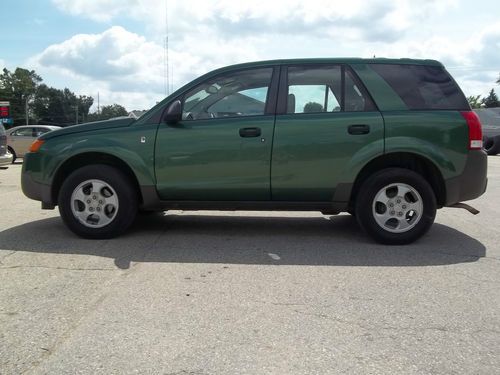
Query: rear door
x=326, y=125
x=221, y=150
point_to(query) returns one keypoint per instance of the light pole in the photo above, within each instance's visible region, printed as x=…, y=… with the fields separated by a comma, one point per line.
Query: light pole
x=27, y=116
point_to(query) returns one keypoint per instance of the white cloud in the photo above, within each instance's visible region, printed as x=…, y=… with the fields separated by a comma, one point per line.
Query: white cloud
x=125, y=66
x=101, y=10
x=209, y=34
x=381, y=19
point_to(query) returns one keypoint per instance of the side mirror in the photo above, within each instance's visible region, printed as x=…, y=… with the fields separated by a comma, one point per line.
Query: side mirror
x=173, y=115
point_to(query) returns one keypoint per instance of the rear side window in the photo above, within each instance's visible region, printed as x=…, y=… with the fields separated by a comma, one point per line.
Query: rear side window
x=25, y=132
x=423, y=87
x=40, y=131
x=325, y=88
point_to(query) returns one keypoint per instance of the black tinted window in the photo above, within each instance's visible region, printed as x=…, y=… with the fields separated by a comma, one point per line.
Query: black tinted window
x=423, y=87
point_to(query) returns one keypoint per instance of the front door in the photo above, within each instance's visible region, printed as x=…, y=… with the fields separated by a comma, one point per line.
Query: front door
x=221, y=150
x=328, y=125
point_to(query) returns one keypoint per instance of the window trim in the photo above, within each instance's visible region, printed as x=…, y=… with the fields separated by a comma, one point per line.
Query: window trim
x=281, y=108
x=271, y=97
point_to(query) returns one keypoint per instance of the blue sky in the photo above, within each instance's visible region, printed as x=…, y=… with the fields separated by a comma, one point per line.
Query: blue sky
x=115, y=47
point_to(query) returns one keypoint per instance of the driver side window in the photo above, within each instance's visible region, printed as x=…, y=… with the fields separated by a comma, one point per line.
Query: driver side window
x=242, y=93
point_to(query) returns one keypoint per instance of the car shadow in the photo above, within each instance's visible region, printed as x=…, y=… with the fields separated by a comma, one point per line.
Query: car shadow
x=184, y=238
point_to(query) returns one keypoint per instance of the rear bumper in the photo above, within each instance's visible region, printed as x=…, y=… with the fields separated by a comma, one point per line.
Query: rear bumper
x=5, y=159
x=472, y=182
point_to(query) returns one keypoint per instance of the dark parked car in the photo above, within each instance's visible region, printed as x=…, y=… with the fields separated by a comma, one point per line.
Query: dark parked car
x=490, y=119
x=388, y=140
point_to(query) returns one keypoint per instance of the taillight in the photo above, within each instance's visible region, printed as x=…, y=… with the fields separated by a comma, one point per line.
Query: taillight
x=475, y=130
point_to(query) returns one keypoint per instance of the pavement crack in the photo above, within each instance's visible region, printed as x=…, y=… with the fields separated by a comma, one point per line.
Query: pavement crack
x=408, y=329
x=477, y=280
x=6, y=256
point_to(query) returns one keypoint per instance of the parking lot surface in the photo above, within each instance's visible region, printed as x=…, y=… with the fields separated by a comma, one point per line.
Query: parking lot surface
x=248, y=293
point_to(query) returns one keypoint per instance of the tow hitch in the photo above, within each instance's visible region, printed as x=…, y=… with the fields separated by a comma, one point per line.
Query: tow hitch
x=465, y=206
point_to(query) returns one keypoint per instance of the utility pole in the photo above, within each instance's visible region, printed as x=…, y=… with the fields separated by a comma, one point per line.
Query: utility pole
x=27, y=116
x=98, y=109
x=76, y=115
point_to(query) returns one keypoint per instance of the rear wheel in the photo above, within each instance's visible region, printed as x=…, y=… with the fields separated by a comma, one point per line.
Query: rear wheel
x=396, y=206
x=97, y=201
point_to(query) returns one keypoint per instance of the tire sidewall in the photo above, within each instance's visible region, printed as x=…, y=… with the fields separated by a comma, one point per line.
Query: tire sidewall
x=492, y=145
x=367, y=193
x=127, y=201
x=14, y=156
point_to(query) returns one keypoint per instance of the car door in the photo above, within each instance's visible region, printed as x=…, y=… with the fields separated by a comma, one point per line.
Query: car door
x=221, y=149
x=21, y=140
x=326, y=123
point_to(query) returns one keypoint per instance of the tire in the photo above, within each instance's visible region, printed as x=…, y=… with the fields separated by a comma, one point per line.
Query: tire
x=491, y=145
x=98, y=201
x=395, y=206
x=14, y=157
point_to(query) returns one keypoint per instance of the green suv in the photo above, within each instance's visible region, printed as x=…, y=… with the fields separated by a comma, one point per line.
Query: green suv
x=388, y=140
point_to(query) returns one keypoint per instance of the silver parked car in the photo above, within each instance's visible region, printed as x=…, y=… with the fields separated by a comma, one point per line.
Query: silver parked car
x=5, y=156
x=20, y=138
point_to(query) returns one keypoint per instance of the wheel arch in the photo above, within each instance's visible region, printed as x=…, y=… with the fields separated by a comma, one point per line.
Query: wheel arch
x=89, y=158
x=417, y=163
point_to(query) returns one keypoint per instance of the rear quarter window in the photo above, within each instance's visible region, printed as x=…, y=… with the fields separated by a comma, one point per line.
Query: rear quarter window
x=423, y=87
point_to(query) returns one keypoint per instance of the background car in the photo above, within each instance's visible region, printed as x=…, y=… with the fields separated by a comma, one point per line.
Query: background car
x=5, y=156
x=490, y=119
x=20, y=138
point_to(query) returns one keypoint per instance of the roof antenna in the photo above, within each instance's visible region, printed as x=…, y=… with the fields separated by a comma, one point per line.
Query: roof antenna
x=166, y=70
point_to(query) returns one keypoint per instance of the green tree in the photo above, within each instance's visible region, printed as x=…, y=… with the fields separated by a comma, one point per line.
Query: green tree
x=474, y=101
x=491, y=100
x=313, y=107
x=107, y=112
x=84, y=104
x=60, y=107
x=19, y=88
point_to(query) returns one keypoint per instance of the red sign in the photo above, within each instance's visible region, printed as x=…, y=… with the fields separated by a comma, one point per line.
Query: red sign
x=4, y=111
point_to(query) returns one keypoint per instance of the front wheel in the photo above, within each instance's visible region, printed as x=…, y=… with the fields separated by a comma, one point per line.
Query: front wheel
x=14, y=156
x=396, y=206
x=97, y=201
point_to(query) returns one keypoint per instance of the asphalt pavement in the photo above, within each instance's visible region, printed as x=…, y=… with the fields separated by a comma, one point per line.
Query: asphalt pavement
x=248, y=293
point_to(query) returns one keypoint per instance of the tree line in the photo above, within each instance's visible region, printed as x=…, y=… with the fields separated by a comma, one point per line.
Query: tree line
x=33, y=102
x=490, y=101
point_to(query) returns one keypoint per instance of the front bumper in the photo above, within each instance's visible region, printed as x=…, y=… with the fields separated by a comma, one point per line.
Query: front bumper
x=472, y=182
x=6, y=159
x=36, y=190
